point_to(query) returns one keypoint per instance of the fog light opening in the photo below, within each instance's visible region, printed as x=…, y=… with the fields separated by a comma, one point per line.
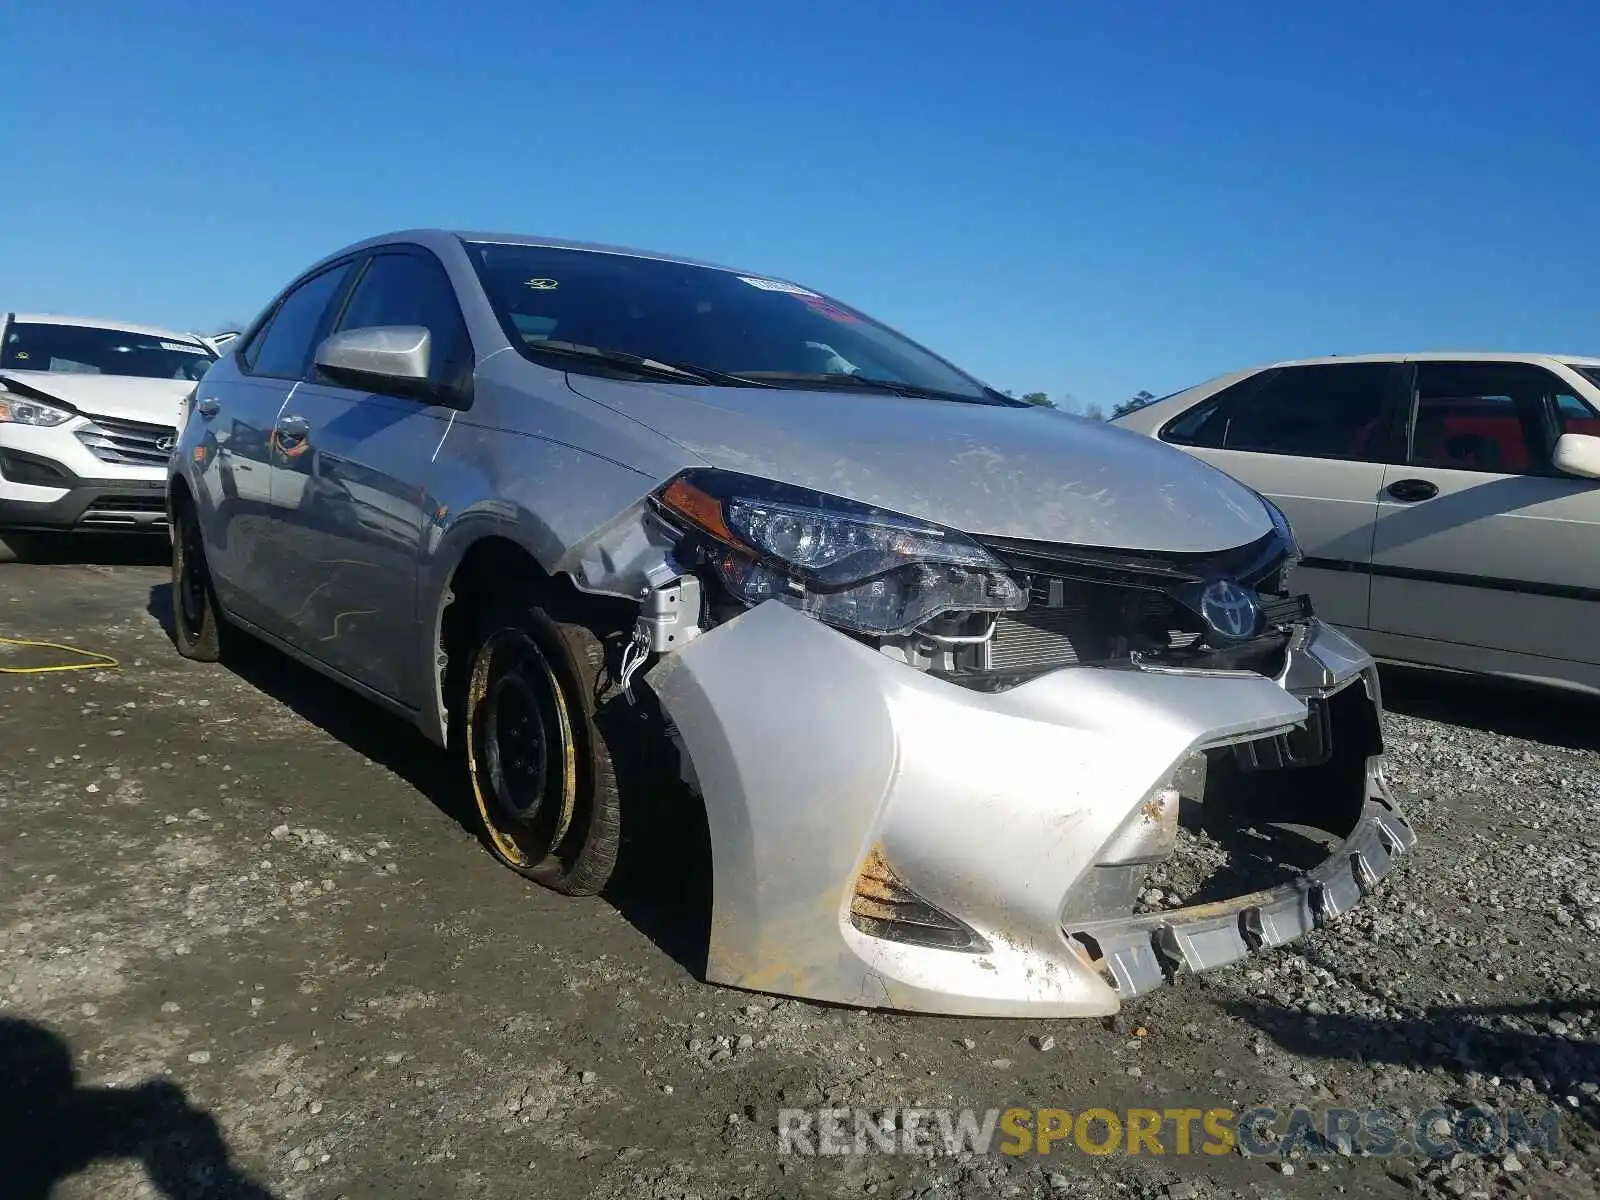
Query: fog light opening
x=884, y=907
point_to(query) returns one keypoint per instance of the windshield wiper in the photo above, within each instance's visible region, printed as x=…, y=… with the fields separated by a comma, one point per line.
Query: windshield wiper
x=682, y=372
x=895, y=386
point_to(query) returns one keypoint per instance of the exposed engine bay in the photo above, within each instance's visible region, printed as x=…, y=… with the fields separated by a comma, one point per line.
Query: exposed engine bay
x=988, y=614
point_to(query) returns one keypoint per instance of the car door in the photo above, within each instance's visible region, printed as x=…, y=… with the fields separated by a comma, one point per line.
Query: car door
x=1480, y=541
x=350, y=491
x=239, y=406
x=1313, y=439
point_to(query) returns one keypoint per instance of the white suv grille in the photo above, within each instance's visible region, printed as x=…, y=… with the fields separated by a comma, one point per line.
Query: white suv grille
x=130, y=443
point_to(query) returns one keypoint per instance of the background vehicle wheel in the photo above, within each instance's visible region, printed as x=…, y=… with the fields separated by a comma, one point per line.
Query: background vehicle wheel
x=539, y=746
x=197, y=626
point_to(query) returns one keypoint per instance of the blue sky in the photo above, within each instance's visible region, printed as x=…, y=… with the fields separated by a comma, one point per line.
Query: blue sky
x=1084, y=199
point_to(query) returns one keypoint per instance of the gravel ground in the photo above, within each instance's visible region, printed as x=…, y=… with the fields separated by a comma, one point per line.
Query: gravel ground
x=246, y=948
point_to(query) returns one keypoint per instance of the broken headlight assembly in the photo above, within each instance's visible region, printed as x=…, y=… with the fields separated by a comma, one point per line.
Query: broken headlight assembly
x=847, y=564
x=1293, y=553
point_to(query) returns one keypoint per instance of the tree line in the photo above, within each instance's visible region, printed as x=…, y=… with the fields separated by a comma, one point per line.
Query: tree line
x=1094, y=412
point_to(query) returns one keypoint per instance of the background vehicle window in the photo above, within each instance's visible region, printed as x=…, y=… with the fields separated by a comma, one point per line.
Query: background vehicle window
x=1333, y=411
x=1573, y=415
x=84, y=350
x=1481, y=417
x=284, y=347
x=407, y=289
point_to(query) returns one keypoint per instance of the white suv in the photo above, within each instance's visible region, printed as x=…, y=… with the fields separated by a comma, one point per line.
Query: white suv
x=89, y=412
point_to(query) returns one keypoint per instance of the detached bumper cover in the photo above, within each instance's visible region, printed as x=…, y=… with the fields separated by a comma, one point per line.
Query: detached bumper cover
x=1139, y=952
x=816, y=756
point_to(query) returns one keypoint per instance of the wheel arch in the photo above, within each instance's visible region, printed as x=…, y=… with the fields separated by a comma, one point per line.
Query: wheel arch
x=490, y=558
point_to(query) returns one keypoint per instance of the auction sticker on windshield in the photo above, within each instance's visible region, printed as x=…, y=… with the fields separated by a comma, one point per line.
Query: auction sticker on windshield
x=773, y=285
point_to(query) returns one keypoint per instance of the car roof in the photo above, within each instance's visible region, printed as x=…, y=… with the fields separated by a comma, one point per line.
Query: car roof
x=438, y=239
x=100, y=323
x=1542, y=359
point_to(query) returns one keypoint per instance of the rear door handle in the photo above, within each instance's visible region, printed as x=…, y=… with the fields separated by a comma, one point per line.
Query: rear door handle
x=294, y=426
x=1412, y=490
x=209, y=407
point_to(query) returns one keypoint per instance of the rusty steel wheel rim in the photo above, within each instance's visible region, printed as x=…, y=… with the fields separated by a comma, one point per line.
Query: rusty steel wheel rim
x=521, y=749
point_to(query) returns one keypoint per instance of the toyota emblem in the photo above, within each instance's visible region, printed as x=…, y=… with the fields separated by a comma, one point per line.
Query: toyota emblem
x=1231, y=611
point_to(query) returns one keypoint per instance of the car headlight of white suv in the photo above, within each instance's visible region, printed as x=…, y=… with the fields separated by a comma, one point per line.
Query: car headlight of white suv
x=14, y=410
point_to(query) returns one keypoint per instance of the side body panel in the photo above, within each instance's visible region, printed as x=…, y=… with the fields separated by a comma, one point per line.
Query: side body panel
x=1502, y=562
x=226, y=452
x=350, y=508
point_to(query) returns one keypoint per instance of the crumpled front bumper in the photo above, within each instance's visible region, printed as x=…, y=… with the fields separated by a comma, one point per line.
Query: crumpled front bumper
x=817, y=756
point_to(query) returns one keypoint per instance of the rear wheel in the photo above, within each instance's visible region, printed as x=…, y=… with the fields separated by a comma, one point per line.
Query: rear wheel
x=537, y=717
x=197, y=626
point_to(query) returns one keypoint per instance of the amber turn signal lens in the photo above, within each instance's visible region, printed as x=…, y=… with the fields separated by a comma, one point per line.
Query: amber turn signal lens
x=689, y=502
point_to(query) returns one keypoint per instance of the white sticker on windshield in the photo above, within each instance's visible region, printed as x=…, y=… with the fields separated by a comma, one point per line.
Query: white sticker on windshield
x=772, y=285
x=184, y=346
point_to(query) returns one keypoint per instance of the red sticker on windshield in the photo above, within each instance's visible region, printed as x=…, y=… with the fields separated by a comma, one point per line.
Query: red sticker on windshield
x=827, y=309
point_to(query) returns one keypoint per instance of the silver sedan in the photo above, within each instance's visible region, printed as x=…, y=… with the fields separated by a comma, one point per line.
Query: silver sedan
x=953, y=677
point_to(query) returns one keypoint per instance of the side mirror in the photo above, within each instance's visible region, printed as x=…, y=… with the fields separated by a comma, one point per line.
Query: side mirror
x=1578, y=454
x=385, y=358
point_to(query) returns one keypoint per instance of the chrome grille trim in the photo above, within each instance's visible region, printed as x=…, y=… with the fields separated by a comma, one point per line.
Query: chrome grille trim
x=128, y=443
x=142, y=510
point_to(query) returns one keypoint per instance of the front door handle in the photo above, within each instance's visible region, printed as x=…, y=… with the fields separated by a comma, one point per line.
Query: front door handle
x=1412, y=490
x=289, y=435
x=209, y=407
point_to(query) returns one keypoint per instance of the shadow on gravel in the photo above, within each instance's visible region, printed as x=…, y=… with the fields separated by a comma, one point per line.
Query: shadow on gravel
x=1259, y=854
x=97, y=549
x=1504, y=707
x=1490, y=1040
x=52, y=1127
x=365, y=728
x=662, y=883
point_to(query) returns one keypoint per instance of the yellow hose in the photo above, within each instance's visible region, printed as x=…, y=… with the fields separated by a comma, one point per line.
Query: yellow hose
x=101, y=662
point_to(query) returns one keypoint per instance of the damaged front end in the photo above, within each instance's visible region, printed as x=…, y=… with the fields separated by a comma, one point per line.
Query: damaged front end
x=990, y=777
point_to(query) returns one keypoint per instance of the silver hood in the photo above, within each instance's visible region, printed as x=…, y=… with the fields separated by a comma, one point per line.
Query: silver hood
x=1035, y=473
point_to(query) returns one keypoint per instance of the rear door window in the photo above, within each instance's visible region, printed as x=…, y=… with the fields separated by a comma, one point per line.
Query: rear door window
x=1323, y=411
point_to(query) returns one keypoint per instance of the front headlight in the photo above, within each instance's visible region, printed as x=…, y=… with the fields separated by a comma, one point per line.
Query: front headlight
x=14, y=410
x=847, y=564
x=1281, y=524
x=1293, y=554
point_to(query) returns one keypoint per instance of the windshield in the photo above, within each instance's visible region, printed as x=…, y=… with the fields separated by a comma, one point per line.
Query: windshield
x=81, y=350
x=703, y=317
